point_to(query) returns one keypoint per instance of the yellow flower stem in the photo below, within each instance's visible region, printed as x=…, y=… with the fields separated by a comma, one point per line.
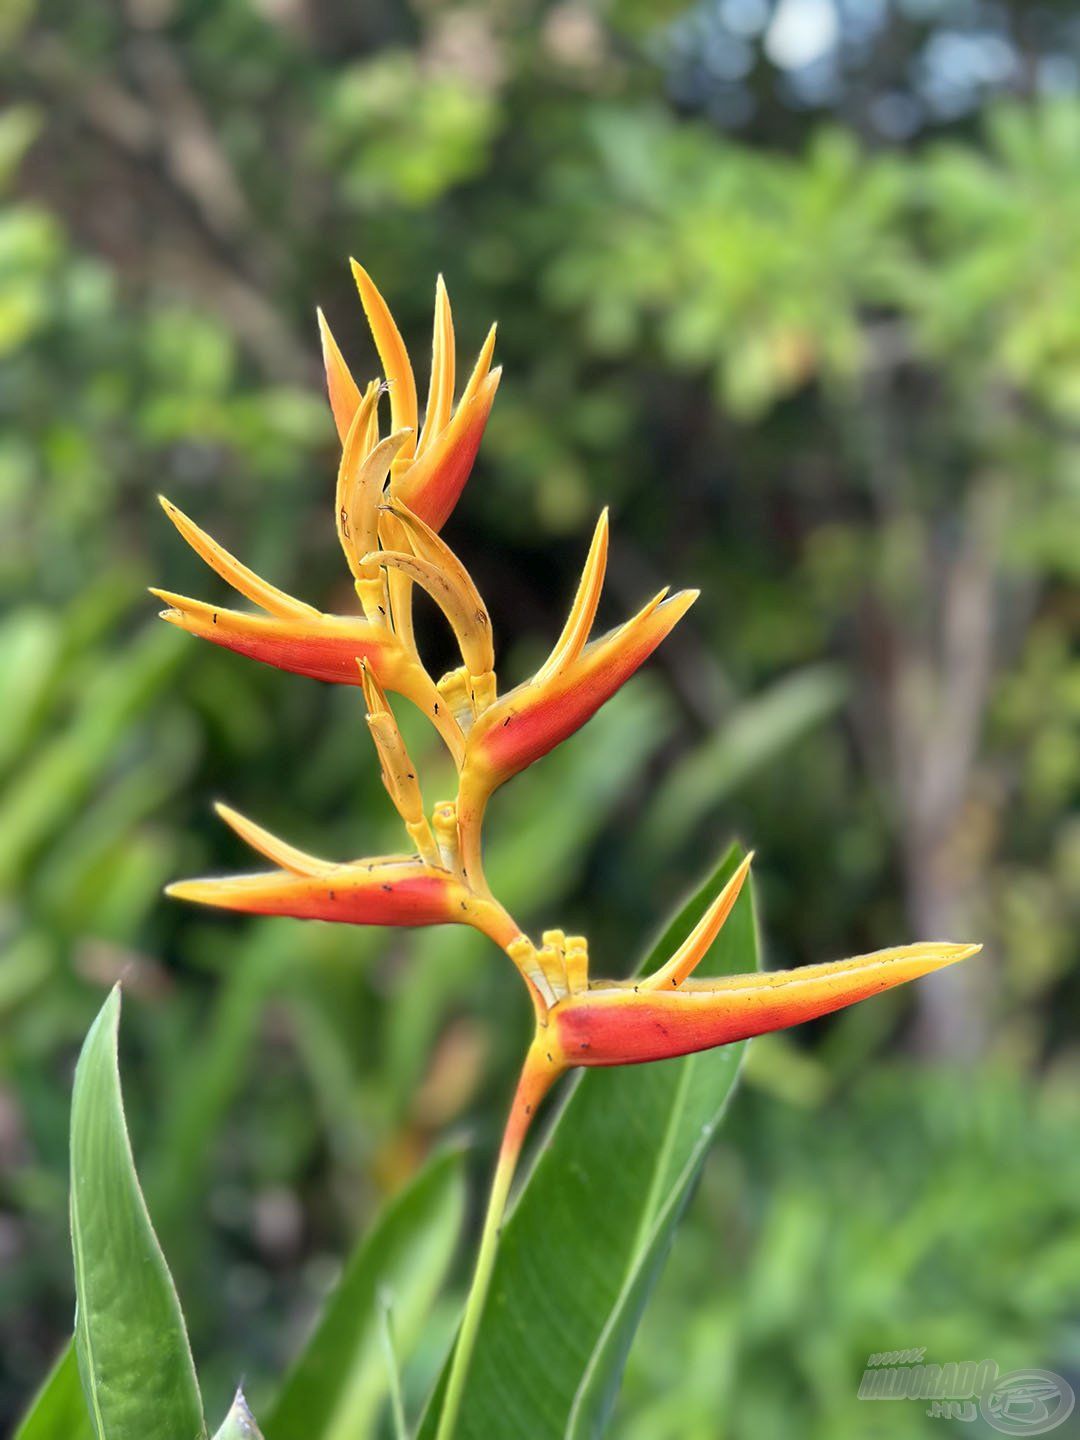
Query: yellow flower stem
x=538, y=1074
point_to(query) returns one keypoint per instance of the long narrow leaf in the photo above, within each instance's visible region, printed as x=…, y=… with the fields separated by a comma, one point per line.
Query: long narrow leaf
x=132, y=1347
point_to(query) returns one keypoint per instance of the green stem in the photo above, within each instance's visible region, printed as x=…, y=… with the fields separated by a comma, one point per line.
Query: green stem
x=538, y=1074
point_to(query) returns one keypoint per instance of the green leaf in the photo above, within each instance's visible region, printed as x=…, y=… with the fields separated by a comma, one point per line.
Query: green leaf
x=58, y=1411
x=339, y=1382
x=239, y=1424
x=133, y=1351
x=586, y=1242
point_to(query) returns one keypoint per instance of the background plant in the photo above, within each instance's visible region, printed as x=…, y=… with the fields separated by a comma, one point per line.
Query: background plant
x=157, y=336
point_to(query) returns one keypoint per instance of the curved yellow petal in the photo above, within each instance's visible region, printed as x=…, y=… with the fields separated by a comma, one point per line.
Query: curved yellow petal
x=253, y=587
x=583, y=611
x=287, y=856
x=436, y=568
x=397, y=367
x=696, y=945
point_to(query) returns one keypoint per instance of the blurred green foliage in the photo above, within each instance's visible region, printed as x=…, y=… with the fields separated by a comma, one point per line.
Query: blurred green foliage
x=835, y=382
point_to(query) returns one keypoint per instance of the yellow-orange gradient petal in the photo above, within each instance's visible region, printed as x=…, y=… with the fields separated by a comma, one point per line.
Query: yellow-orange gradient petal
x=392, y=890
x=431, y=486
x=244, y=581
x=341, y=387
x=625, y=1025
x=324, y=647
x=387, y=890
x=529, y=721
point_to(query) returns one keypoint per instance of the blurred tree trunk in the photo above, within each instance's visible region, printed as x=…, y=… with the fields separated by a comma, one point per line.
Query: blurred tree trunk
x=939, y=703
x=928, y=647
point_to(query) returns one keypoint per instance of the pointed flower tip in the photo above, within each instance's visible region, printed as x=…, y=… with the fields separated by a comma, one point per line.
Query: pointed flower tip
x=189, y=890
x=175, y=604
x=666, y=610
x=951, y=953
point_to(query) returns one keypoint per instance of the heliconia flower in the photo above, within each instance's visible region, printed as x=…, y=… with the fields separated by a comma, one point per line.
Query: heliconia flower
x=575, y=680
x=659, y=1017
x=393, y=496
x=433, y=465
x=668, y=1013
x=293, y=635
x=620, y=1024
x=398, y=890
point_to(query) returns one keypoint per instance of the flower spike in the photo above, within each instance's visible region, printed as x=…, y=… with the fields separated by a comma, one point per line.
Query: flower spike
x=531, y=720
x=324, y=647
x=429, y=472
x=393, y=497
x=432, y=484
x=399, y=890
x=387, y=890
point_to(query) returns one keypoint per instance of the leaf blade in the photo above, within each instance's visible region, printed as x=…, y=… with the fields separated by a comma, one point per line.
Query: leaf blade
x=336, y=1386
x=130, y=1340
x=583, y=1247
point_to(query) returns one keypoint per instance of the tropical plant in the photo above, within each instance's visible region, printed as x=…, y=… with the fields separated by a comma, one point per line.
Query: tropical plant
x=650, y=1127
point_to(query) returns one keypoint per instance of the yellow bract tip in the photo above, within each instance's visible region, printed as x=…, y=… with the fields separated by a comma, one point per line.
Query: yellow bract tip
x=583, y=611
x=397, y=367
x=697, y=944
